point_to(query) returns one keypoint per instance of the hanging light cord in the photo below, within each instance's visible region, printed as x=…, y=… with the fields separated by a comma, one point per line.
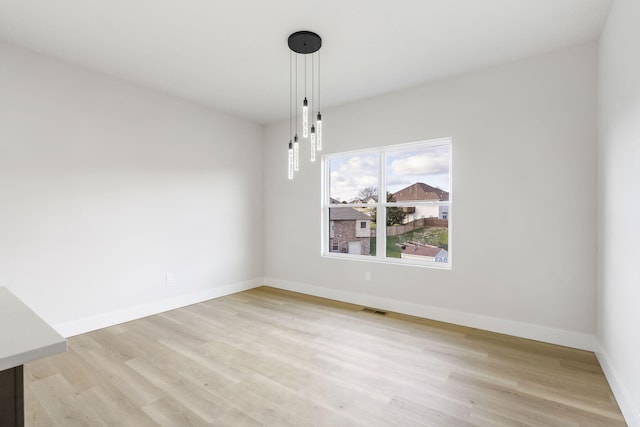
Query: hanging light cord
x=296, y=99
x=312, y=85
x=290, y=115
x=318, y=81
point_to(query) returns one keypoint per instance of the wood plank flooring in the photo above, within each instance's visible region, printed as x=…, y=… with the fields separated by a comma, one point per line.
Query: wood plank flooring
x=270, y=357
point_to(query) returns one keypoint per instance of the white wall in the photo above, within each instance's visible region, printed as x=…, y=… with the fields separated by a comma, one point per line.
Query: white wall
x=619, y=205
x=106, y=186
x=524, y=135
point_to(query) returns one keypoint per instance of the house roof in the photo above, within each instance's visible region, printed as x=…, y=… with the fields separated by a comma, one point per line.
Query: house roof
x=371, y=199
x=344, y=214
x=427, y=250
x=420, y=191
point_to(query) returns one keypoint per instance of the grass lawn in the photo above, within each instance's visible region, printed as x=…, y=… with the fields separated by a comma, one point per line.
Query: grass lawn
x=426, y=236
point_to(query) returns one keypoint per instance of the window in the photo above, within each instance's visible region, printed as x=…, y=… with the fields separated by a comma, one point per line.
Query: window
x=414, y=204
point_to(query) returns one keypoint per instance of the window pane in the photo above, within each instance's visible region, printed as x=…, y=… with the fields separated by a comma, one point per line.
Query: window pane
x=352, y=230
x=425, y=239
x=354, y=178
x=418, y=174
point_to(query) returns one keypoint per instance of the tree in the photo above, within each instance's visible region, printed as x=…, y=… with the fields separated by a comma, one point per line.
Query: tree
x=395, y=215
x=367, y=192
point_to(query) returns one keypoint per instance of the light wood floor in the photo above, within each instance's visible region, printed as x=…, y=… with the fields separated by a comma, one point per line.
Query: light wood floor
x=269, y=357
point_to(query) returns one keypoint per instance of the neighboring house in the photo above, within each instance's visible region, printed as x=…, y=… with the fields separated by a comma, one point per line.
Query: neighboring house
x=422, y=192
x=443, y=212
x=370, y=200
x=427, y=252
x=350, y=231
x=367, y=210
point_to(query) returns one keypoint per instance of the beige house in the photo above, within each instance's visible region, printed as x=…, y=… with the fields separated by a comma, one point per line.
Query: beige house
x=422, y=192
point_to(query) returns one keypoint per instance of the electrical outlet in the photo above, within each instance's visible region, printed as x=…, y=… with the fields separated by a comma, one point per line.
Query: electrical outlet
x=170, y=279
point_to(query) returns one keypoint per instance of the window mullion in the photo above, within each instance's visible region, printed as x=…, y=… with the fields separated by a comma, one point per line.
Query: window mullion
x=381, y=211
x=324, y=203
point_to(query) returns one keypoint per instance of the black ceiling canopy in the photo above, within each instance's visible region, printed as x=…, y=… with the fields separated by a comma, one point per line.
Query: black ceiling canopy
x=305, y=42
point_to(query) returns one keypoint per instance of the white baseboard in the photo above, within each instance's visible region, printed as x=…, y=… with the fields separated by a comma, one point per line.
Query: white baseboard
x=88, y=324
x=630, y=409
x=510, y=327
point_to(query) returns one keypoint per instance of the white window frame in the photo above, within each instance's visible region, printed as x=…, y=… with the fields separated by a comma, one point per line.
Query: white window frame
x=382, y=204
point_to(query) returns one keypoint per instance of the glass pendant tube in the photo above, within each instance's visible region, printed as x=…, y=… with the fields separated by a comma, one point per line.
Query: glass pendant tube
x=319, y=132
x=290, y=160
x=313, y=143
x=296, y=154
x=305, y=118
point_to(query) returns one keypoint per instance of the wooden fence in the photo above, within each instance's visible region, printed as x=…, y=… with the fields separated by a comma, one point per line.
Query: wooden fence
x=395, y=230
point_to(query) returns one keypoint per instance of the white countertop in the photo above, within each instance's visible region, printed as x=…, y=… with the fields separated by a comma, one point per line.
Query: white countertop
x=24, y=337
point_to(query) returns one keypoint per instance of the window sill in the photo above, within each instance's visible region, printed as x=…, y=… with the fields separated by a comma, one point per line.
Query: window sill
x=392, y=261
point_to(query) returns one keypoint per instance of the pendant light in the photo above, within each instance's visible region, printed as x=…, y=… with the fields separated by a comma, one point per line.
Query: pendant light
x=291, y=165
x=290, y=160
x=305, y=117
x=319, y=117
x=304, y=43
x=296, y=154
x=319, y=132
x=313, y=128
x=313, y=143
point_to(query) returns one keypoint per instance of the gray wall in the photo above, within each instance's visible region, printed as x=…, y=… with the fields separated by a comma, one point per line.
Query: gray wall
x=524, y=200
x=105, y=187
x=619, y=205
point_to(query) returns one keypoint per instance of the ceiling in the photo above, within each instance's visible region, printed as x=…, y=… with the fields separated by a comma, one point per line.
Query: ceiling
x=233, y=55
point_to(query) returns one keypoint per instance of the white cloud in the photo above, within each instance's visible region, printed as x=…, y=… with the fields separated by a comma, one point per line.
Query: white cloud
x=431, y=162
x=348, y=176
x=428, y=165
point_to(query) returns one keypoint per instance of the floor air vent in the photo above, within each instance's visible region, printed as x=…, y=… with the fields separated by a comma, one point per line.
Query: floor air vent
x=374, y=311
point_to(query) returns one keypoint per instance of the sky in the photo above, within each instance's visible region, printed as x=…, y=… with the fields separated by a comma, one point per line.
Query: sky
x=429, y=165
